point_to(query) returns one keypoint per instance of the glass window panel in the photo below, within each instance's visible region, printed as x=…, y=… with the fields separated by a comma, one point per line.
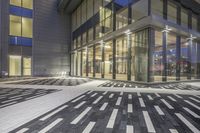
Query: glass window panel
x=194, y=22
x=27, y=66
x=122, y=18
x=97, y=5
x=75, y=63
x=98, y=61
x=98, y=31
x=194, y=61
x=139, y=10
x=171, y=57
x=157, y=57
x=79, y=63
x=172, y=12
x=141, y=55
x=121, y=58
x=27, y=4
x=184, y=58
x=84, y=62
x=79, y=42
x=72, y=65
x=90, y=34
x=89, y=8
x=184, y=17
x=90, y=62
x=108, y=60
x=27, y=27
x=83, y=11
x=15, y=25
x=108, y=25
x=78, y=15
x=133, y=57
x=157, y=7
x=84, y=38
x=16, y=2
x=14, y=65
x=74, y=21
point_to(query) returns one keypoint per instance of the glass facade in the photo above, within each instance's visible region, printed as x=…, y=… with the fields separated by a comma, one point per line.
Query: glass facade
x=20, y=35
x=144, y=54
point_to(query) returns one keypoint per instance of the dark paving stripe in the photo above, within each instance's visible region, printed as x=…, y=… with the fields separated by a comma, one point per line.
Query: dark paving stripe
x=10, y=96
x=60, y=82
x=176, y=86
x=161, y=123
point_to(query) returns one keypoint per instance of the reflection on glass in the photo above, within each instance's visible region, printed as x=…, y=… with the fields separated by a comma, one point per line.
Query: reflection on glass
x=172, y=12
x=133, y=58
x=84, y=62
x=79, y=63
x=184, y=64
x=184, y=17
x=27, y=66
x=157, y=57
x=90, y=34
x=14, y=65
x=194, y=61
x=122, y=18
x=141, y=55
x=171, y=57
x=98, y=61
x=108, y=60
x=194, y=22
x=121, y=58
x=157, y=7
x=90, y=62
x=79, y=42
x=139, y=10
x=72, y=65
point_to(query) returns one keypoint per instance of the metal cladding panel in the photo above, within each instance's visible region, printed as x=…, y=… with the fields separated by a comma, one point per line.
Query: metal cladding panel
x=51, y=39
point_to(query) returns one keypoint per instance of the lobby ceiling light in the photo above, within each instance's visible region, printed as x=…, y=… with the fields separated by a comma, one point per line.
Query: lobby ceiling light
x=191, y=37
x=128, y=32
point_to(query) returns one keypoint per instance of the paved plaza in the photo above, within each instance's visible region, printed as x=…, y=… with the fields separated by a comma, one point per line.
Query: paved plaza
x=98, y=106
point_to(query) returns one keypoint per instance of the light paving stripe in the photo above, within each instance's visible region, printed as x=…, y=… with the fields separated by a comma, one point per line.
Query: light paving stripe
x=130, y=85
x=75, y=100
x=89, y=92
x=103, y=107
x=149, y=124
x=11, y=100
x=171, y=98
x=197, y=97
x=173, y=131
x=80, y=104
x=157, y=95
x=194, y=99
x=89, y=127
x=53, y=113
x=77, y=119
x=191, y=112
x=105, y=92
x=1, y=106
x=50, y=126
x=178, y=96
x=149, y=96
x=136, y=86
x=158, y=109
x=130, y=96
x=141, y=102
x=130, y=108
x=187, y=123
x=111, y=95
x=118, y=101
x=192, y=104
x=121, y=93
x=35, y=96
x=97, y=100
x=23, y=130
x=94, y=95
x=2, y=97
x=129, y=129
x=111, y=121
x=167, y=104
x=124, y=86
x=138, y=94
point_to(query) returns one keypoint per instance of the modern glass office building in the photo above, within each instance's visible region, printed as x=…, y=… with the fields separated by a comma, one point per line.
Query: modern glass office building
x=136, y=40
